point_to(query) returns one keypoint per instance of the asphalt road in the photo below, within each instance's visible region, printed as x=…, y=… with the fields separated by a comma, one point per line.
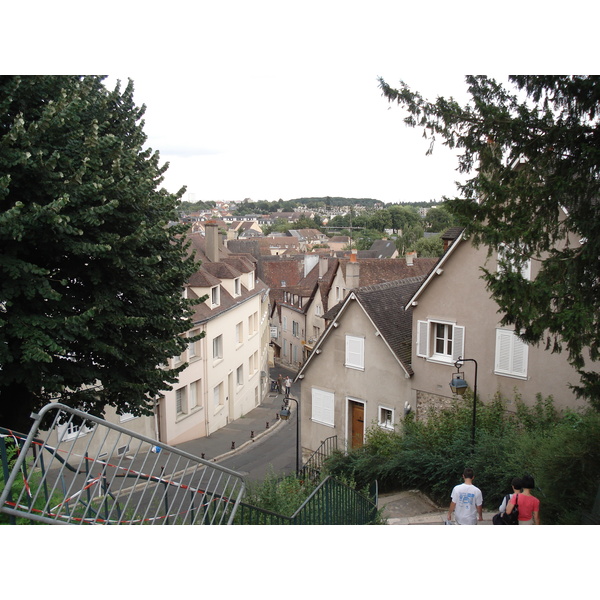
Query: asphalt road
x=275, y=452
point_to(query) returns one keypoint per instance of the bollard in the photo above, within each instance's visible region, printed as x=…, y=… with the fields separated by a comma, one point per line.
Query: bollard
x=252, y=435
x=233, y=445
x=202, y=455
x=267, y=425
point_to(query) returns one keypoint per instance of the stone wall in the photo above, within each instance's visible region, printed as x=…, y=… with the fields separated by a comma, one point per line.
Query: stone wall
x=426, y=403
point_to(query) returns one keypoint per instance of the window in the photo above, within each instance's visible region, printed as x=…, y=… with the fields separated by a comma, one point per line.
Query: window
x=506, y=256
x=253, y=363
x=386, y=418
x=237, y=287
x=322, y=407
x=355, y=352
x=443, y=339
x=440, y=341
x=69, y=431
x=284, y=323
x=253, y=323
x=218, y=395
x=295, y=329
x=177, y=359
x=239, y=333
x=511, y=354
x=218, y=347
x=194, y=394
x=215, y=296
x=192, y=346
x=240, y=375
x=180, y=401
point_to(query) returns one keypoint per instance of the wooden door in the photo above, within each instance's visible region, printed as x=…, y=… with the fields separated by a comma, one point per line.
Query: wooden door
x=357, y=424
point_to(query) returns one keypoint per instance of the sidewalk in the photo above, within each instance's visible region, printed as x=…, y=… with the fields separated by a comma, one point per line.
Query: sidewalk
x=244, y=431
x=414, y=508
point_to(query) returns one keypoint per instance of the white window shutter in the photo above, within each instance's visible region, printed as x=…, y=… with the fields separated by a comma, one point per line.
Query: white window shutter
x=422, y=338
x=511, y=354
x=355, y=352
x=503, y=344
x=519, y=361
x=458, y=342
x=322, y=406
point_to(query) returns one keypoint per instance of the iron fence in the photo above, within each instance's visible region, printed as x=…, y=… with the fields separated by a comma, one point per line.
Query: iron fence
x=331, y=503
x=95, y=472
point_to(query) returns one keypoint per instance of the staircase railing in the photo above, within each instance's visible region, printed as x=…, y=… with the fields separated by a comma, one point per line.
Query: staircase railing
x=313, y=466
x=331, y=503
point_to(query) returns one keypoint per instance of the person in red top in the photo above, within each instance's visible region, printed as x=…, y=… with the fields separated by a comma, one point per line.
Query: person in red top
x=529, y=505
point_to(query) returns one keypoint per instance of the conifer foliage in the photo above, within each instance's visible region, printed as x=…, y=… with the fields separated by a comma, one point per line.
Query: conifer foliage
x=91, y=273
x=534, y=157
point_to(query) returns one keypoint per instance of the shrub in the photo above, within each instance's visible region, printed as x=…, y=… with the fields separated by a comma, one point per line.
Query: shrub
x=561, y=451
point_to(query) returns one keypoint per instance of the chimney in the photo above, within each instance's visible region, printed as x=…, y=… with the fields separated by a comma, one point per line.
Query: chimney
x=212, y=241
x=410, y=256
x=352, y=272
x=323, y=266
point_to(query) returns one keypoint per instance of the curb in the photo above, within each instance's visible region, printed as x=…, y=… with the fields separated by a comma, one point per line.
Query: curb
x=248, y=443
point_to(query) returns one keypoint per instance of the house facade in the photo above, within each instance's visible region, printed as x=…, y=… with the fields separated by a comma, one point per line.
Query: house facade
x=226, y=376
x=358, y=374
x=454, y=316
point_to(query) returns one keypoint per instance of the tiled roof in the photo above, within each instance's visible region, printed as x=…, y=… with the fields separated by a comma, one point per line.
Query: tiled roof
x=202, y=278
x=221, y=269
x=384, y=303
x=378, y=270
x=275, y=272
x=383, y=248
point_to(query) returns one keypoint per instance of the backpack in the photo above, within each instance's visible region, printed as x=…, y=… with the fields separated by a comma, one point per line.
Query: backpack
x=504, y=519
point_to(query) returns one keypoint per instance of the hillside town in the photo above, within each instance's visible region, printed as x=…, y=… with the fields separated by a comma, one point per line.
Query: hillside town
x=169, y=320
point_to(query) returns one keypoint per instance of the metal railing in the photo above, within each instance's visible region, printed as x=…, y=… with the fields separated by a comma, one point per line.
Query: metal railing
x=313, y=466
x=331, y=503
x=108, y=475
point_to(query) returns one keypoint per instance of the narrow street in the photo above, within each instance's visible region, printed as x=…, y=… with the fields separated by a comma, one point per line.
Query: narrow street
x=276, y=452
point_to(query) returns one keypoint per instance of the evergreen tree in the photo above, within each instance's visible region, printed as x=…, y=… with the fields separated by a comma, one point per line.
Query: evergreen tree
x=91, y=273
x=534, y=156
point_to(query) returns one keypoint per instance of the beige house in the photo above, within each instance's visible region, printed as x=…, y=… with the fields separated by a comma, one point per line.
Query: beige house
x=226, y=376
x=454, y=316
x=358, y=375
x=297, y=312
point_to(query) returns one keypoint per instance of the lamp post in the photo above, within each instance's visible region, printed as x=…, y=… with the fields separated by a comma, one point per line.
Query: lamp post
x=285, y=414
x=458, y=385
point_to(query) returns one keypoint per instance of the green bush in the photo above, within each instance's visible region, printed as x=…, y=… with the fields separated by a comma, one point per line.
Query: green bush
x=561, y=451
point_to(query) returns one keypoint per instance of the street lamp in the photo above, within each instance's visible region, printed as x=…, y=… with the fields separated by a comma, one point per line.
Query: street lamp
x=285, y=414
x=458, y=385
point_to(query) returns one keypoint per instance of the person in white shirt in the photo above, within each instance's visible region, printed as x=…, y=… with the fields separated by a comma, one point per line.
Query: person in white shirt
x=466, y=501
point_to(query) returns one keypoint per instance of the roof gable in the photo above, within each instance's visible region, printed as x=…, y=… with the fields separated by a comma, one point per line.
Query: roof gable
x=383, y=305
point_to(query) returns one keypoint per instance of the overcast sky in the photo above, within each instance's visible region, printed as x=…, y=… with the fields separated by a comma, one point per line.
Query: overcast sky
x=277, y=99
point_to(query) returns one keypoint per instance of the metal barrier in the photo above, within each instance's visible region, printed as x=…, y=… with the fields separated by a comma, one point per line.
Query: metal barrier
x=110, y=475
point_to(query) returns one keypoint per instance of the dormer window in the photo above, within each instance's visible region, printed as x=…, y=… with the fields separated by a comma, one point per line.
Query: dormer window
x=237, y=287
x=215, y=294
